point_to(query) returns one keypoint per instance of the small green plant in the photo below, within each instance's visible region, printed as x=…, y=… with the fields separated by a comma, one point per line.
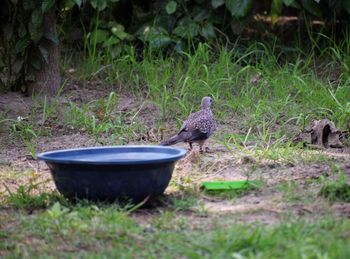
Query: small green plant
x=106, y=110
x=102, y=119
x=342, y=109
x=165, y=220
x=165, y=101
x=24, y=197
x=49, y=109
x=4, y=121
x=83, y=119
x=290, y=190
x=25, y=130
x=184, y=202
x=336, y=189
x=336, y=192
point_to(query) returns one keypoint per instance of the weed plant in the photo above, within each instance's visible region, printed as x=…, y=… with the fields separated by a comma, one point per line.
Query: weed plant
x=336, y=188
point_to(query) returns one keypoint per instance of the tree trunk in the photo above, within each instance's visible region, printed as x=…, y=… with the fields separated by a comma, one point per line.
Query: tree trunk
x=47, y=79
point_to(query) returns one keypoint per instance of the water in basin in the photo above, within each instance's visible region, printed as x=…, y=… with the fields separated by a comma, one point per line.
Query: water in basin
x=122, y=156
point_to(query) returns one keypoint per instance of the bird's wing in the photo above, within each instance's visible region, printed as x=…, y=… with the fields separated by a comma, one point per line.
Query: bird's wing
x=198, y=126
x=187, y=125
x=193, y=135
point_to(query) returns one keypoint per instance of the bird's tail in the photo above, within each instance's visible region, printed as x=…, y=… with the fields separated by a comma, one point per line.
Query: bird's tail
x=171, y=141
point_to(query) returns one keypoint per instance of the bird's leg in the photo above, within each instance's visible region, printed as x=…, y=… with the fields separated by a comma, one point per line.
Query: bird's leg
x=201, y=143
x=190, y=143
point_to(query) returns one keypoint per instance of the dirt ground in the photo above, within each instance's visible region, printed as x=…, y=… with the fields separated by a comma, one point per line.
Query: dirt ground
x=286, y=190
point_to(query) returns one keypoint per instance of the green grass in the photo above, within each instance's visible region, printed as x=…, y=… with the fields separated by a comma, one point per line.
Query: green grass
x=37, y=223
x=263, y=94
x=284, y=91
x=23, y=199
x=272, y=92
x=108, y=231
x=338, y=191
x=336, y=188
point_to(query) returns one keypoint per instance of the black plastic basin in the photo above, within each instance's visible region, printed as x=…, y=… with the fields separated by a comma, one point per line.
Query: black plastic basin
x=113, y=173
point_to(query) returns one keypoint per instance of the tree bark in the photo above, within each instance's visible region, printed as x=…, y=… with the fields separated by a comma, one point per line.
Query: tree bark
x=47, y=80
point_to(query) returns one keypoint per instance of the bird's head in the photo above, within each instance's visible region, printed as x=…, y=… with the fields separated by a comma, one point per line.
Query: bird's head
x=206, y=102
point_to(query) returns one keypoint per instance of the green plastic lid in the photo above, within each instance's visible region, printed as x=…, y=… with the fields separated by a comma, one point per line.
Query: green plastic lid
x=228, y=185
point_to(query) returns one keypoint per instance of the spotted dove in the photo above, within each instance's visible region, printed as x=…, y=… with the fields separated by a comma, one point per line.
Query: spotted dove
x=198, y=127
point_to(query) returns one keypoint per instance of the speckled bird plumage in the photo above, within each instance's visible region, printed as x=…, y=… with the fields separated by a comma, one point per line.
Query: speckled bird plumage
x=198, y=127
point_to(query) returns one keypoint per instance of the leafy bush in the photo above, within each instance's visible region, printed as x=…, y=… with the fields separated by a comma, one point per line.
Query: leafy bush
x=179, y=25
x=22, y=29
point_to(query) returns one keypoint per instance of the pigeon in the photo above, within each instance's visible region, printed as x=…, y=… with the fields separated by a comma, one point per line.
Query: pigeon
x=198, y=127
